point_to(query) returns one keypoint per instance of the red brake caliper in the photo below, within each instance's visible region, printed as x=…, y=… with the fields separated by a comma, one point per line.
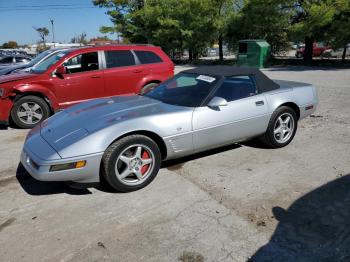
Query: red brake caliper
x=144, y=169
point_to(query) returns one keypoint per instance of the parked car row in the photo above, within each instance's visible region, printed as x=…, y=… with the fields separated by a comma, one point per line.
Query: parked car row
x=7, y=61
x=70, y=76
x=6, y=70
x=336, y=52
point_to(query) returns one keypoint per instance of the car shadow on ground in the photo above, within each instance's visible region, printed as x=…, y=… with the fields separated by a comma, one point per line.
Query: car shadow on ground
x=316, y=227
x=36, y=188
x=3, y=127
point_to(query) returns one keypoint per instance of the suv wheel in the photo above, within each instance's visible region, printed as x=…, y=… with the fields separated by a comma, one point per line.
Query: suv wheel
x=148, y=88
x=28, y=111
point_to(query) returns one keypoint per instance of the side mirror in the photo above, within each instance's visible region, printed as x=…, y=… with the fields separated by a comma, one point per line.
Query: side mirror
x=217, y=102
x=61, y=70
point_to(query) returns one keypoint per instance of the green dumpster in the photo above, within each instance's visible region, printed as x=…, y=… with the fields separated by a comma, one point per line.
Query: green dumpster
x=253, y=53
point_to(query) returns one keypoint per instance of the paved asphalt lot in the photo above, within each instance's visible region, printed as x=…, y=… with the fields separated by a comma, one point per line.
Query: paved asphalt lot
x=232, y=204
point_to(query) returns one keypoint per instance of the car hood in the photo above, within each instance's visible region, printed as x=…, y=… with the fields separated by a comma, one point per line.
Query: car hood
x=4, y=71
x=73, y=124
x=16, y=77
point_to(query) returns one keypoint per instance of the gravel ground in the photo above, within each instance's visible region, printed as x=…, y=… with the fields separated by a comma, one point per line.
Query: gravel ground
x=236, y=203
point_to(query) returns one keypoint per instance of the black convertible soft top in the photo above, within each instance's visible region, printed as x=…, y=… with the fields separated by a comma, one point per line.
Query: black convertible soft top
x=263, y=83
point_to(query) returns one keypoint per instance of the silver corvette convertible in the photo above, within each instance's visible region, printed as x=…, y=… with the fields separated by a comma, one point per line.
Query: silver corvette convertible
x=123, y=140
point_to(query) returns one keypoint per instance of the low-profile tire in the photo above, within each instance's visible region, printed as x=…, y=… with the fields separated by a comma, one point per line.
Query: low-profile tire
x=131, y=163
x=29, y=111
x=281, y=129
x=148, y=88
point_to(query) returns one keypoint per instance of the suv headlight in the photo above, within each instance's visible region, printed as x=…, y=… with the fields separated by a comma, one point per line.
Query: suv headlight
x=2, y=91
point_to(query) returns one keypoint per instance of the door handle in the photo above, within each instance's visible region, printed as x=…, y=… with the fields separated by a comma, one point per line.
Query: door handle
x=137, y=71
x=95, y=77
x=259, y=103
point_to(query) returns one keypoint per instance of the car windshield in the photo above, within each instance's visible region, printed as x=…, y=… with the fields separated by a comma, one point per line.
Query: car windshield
x=39, y=57
x=49, y=61
x=184, y=89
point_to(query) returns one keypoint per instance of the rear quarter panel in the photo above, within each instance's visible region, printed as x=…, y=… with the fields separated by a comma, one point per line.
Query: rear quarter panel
x=301, y=94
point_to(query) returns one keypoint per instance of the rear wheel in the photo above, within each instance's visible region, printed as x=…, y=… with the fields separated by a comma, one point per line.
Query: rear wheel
x=131, y=163
x=28, y=111
x=282, y=128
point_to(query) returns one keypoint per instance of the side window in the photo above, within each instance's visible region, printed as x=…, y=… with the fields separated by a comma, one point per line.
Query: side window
x=148, y=57
x=119, y=58
x=82, y=63
x=236, y=87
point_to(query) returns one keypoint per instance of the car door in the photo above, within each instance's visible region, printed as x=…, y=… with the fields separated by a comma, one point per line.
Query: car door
x=244, y=116
x=122, y=74
x=83, y=80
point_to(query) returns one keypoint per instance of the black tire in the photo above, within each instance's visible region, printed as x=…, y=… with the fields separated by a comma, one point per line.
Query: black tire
x=111, y=160
x=148, y=88
x=34, y=102
x=269, y=138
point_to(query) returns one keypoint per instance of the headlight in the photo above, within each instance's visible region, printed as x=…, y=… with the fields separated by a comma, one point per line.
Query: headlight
x=2, y=92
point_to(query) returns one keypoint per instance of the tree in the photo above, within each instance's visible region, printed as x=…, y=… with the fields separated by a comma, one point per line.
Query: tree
x=121, y=14
x=81, y=39
x=260, y=20
x=10, y=45
x=339, y=30
x=174, y=25
x=310, y=21
x=224, y=10
x=43, y=33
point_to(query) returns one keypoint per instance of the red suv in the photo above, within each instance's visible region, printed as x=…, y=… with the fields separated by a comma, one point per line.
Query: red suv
x=76, y=75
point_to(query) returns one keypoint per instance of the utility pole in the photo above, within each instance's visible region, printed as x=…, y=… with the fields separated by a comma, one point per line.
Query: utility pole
x=53, y=32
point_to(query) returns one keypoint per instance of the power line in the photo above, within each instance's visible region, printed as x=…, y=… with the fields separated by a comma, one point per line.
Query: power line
x=29, y=6
x=47, y=8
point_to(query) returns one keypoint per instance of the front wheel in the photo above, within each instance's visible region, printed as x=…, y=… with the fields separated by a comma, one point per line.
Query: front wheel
x=29, y=111
x=131, y=163
x=148, y=87
x=282, y=128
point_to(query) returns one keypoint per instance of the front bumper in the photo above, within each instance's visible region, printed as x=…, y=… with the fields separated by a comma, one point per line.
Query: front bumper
x=39, y=168
x=5, y=109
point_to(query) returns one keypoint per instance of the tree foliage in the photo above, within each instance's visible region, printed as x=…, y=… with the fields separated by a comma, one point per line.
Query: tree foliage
x=43, y=33
x=193, y=25
x=173, y=24
x=81, y=38
x=261, y=20
x=10, y=45
x=339, y=30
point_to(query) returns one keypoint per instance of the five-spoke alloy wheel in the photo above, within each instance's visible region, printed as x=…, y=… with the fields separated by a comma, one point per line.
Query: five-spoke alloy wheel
x=29, y=111
x=131, y=163
x=282, y=128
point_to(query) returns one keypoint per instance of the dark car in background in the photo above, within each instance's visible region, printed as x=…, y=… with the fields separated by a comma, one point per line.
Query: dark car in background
x=26, y=67
x=77, y=75
x=14, y=60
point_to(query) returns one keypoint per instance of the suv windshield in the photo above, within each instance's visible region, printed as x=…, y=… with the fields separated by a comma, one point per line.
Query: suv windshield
x=39, y=57
x=49, y=61
x=184, y=90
